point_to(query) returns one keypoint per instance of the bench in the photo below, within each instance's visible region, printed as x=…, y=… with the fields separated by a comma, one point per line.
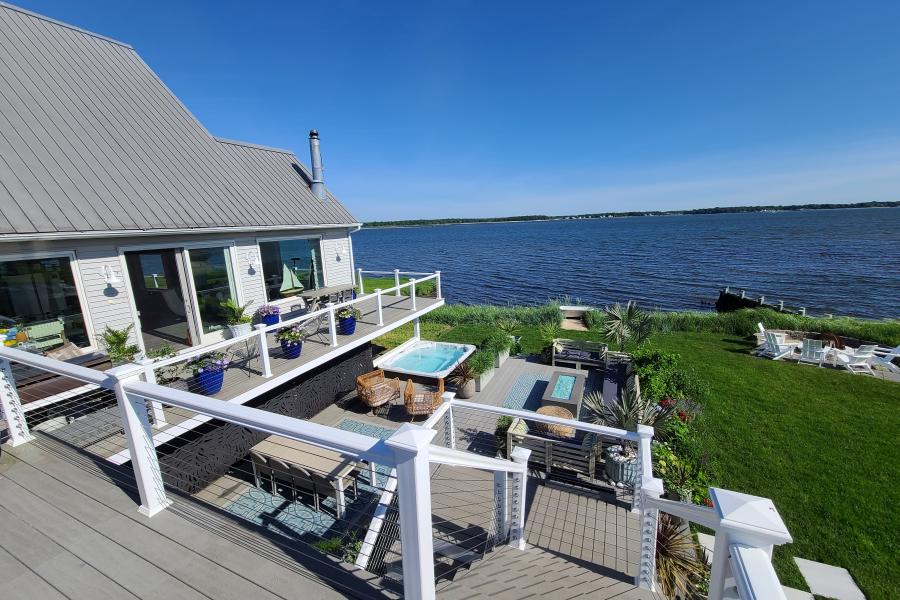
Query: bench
x=578, y=353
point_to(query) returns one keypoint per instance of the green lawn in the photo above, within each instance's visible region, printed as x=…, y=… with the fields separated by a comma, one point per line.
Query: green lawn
x=821, y=444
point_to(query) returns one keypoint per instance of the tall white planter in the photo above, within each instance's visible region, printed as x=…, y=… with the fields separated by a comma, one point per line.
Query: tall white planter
x=483, y=379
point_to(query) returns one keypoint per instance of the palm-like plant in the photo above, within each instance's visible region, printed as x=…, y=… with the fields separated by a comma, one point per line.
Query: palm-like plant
x=626, y=323
x=628, y=412
x=508, y=325
x=680, y=568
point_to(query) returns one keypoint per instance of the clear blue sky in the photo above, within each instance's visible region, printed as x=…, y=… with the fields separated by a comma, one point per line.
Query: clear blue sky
x=488, y=108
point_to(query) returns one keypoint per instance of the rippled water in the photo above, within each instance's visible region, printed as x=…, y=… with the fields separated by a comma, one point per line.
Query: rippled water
x=844, y=262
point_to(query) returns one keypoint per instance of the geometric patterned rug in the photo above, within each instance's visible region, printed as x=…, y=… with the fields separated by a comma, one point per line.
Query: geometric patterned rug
x=526, y=392
x=299, y=520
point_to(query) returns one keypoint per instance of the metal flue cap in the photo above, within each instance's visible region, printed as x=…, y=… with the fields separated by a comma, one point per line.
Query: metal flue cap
x=313, y=134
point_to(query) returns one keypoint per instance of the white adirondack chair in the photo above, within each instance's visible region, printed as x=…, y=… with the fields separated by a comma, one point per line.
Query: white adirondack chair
x=812, y=352
x=886, y=361
x=776, y=346
x=857, y=361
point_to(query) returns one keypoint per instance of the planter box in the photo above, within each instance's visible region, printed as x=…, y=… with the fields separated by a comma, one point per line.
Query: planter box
x=501, y=358
x=483, y=379
x=618, y=469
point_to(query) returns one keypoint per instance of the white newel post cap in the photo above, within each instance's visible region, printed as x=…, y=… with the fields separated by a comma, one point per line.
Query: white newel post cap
x=125, y=371
x=645, y=431
x=750, y=519
x=411, y=438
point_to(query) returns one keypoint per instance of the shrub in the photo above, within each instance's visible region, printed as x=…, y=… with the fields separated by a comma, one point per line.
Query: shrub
x=496, y=343
x=743, y=322
x=500, y=430
x=593, y=320
x=661, y=377
x=481, y=362
x=486, y=314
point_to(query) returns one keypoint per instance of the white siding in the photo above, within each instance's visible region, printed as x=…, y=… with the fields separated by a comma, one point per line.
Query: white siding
x=110, y=305
x=336, y=257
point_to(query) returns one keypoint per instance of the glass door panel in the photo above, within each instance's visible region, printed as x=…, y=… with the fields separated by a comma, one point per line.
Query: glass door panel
x=213, y=283
x=159, y=298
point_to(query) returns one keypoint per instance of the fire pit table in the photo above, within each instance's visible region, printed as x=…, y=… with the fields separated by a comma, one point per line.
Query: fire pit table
x=565, y=390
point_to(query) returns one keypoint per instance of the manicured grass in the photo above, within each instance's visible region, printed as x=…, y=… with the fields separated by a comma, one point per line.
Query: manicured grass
x=821, y=444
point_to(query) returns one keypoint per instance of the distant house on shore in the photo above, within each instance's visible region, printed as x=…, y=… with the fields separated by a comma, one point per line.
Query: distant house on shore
x=118, y=208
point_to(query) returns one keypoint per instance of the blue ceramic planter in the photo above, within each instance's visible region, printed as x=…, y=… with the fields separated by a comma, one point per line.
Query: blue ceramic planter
x=209, y=382
x=271, y=319
x=291, y=349
x=346, y=325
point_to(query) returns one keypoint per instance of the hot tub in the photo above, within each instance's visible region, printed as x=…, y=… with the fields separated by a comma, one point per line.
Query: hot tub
x=425, y=358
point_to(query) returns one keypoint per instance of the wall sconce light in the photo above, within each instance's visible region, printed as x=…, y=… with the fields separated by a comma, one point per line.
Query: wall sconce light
x=109, y=276
x=252, y=260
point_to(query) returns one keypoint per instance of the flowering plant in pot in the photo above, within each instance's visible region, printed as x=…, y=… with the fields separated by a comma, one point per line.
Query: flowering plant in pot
x=209, y=372
x=347, y=318
x=291, y=340
x=268, y=314
x=463, y=377
x=236, y=317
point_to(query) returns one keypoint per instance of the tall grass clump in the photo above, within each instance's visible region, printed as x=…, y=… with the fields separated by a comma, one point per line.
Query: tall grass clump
x=593, y=319
x=487, y=314
x=743, y=322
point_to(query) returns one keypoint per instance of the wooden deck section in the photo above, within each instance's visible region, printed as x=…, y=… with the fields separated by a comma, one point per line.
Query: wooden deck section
x=71, y=530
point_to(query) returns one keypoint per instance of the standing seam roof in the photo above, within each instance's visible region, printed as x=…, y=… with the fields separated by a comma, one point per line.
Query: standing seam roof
x=92, y=140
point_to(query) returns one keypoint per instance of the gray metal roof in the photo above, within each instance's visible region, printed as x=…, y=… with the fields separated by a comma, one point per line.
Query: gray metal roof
x=91, y=140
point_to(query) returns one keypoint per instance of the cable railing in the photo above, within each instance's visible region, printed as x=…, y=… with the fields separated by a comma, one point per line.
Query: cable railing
x=415, y=504
x=397, y=275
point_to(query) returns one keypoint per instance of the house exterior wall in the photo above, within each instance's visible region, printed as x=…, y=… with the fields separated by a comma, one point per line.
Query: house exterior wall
x=110, y=305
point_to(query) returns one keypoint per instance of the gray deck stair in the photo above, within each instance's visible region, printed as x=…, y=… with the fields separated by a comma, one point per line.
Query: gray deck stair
x=536, y=573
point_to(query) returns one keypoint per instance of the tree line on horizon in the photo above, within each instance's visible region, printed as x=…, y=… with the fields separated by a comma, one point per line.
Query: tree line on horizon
x=644, y=213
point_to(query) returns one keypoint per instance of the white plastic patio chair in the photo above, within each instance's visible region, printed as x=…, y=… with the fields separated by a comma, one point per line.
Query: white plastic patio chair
x=857, y=361
x=776, y=346
x=812, y=352
x=886, y=361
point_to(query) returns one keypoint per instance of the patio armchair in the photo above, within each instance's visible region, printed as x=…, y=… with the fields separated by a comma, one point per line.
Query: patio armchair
x=812, y=352
x=261, y=468
x=776, y=346
x=316, y=327
x=375, y=390
x=886, y=360
x=857, y=361
x=422, y=403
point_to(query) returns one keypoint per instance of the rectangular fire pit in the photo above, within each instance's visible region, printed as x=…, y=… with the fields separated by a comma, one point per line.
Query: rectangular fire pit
x=565, y=390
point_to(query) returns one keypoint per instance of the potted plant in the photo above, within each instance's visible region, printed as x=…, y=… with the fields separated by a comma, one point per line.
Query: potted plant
x=236, y=317
x=291, y=340
x=463, y=377
x=621, y=465
x=209, y=372
x=268, y=314
x=115, y=343
x=347, y=318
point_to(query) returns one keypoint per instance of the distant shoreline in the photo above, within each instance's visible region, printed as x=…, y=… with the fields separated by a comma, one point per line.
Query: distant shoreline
x=620, y=215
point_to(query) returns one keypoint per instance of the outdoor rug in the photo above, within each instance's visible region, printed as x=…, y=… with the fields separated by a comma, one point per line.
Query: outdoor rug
x=526, y=392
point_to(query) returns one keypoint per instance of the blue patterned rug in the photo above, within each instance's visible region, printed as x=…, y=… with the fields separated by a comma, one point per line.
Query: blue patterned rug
x=526, y=392
x=299, y=520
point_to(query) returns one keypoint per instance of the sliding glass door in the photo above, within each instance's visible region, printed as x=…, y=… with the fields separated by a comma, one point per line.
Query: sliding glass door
x=178, y=294
x=212, y=280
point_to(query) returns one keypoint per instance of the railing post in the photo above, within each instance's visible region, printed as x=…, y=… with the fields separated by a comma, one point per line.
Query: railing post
x=417, y=328
x=16, y=424
x=410, y=445
x=332, y=324
x=140, y=442
x=519, y=456
x=159, y=416
x=746, y=520
x=412, y=292
x=644, y=464
x=265, y=363
x=397, y=282
x=646, y=574
x=437, y=284
x=501, y=506
x=359, y=278
x=449, y=425
x=378, y=302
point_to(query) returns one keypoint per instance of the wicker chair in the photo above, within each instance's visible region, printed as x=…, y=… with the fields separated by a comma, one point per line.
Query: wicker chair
x=375, y=390
x=422, y=403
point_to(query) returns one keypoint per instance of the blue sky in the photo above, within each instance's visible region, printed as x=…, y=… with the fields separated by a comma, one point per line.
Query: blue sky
x=488, y=108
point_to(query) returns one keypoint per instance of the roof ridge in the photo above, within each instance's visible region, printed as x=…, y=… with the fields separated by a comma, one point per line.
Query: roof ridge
x=251, y=145
x=53, y=21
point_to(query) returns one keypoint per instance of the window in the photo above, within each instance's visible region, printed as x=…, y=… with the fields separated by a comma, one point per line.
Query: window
x=291, y=266
x=39, y=306
x=214, y=283
x=153, y=272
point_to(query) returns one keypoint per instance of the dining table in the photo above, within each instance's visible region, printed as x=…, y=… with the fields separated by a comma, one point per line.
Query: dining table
x=332, y=465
